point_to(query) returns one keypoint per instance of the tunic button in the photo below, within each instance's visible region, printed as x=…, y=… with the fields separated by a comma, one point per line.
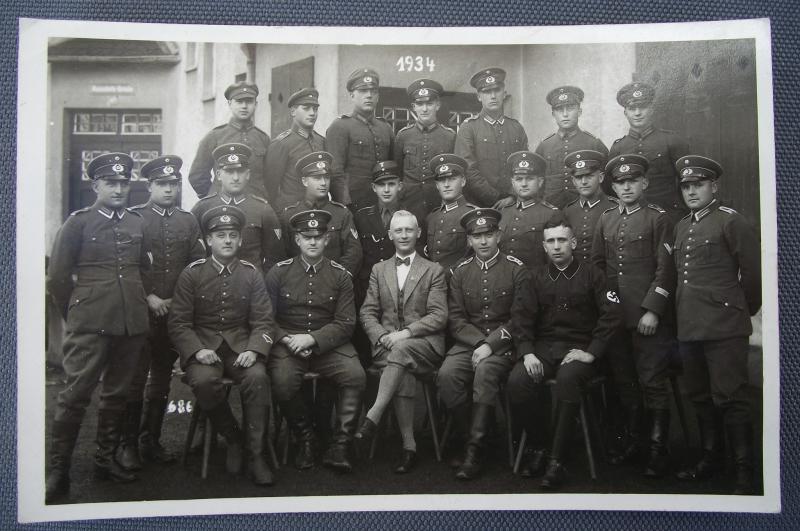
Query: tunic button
x=685, y=281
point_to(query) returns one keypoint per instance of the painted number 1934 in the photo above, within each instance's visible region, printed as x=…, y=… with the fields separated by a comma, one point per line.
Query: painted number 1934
x=410, y=63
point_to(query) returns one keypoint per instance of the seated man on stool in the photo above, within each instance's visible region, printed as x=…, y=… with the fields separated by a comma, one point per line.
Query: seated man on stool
x=404, y=316
x=482, y=289
x=562, y=324
x=315, y=317
x=221, y=323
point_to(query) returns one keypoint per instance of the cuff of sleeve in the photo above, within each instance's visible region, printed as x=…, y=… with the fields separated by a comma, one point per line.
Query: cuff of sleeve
x=655, y=302
x=596, y=348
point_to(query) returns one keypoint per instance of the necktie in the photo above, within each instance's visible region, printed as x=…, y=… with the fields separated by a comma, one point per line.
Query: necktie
x=402, y=261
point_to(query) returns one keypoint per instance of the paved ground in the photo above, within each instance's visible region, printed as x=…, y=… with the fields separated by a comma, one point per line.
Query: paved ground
x=370, y=477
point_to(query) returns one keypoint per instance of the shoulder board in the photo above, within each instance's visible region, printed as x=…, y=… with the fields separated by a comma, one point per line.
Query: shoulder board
x=613, y=199
x=345, y=116
x=729, y=210
x=259, y=198
x=437, y=209
x=82, y=210
x=409, y=126
x=588, y=133
x=620, y=138
x=367, y=209
x=260, y=130
x=286, y=262
x=514, y=259
x=337, y=204
x=246, y=263
x=179, y=209
x=219, y=127
x=381, y=118
x=470, y=119
x=448, y=128
x=572, y=202
x=137, y=207
x=656, y=208
x=667, y=131
x=464, y=262
x=293, y=205
x=197, y=262
x=284, y=134
x=606, y=211
x=470, y=205
x=337, y=265
x=209, y=196
x=134, y=212
x=687, y=216
x=548, y=205
x=551, y=135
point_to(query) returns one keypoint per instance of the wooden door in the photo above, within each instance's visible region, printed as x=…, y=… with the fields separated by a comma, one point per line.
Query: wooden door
x=286, y=80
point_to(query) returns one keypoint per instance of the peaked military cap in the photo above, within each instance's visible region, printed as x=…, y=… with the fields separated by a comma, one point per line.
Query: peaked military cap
x=488, y=78
x=233, y=155
x=526, y=163
x=627, y=166
x=304, y=96
x=165, y=168
x=585, y=161
x=111, y=166
x=480, y=220
x=242, y=88
x=223, y=217
x=423, y=90
x=696, y=167
x=316, y=163
x=310, y=222
x=636, y=94
x=385, y=169
x=363, y=78
x=566, y=95
x=447, y=164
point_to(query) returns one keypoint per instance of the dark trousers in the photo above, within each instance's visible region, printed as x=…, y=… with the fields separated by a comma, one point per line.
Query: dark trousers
x=456, y=377
x=87, y=357
x=570, y=378
x=286, y=371
x=715, y=374
x=633, y=356
x=155, y=365
x=206, y=380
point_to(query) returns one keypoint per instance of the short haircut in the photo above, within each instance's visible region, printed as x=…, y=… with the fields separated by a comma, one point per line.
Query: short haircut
x=404, y=214
x=558, y=222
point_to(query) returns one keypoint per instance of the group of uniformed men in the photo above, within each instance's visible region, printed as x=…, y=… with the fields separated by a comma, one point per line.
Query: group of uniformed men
x=463, y=256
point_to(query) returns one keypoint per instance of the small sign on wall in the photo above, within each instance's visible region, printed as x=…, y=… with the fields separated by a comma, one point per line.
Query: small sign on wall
x=112, y=89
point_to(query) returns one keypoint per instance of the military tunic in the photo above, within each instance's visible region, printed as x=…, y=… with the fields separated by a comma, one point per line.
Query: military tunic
x=662, y=148
x=225, y=309
x=583, y=215
x=357, y=144
x=250, y=135
x=344, y=246
x=104, y=306
x=522, y=226
x=284, y=186
x=414, y=147
x=261, y=236
x=317, y=300
x=559, y=189
x=480, y=300
x=717, y=256
x=485, y=144
x=172, y=241
x=375, y=244
x=447, y=240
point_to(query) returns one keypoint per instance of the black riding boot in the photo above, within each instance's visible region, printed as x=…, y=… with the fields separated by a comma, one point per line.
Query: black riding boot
x=479, y=429
x=658, y=462
x=711, y=442
x=536, y=423
x=64, y=436
x=461, y=415
x=108, y=435
x=150, y=435
x=255, y=420
x=128, y=453
x=225, y=423
x=740, y=436
x=299, y=422
x=556, y=473
x=348, y=409
x=631, y=451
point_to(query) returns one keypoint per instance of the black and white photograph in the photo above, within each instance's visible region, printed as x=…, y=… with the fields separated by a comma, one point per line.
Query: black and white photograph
x=272, y=270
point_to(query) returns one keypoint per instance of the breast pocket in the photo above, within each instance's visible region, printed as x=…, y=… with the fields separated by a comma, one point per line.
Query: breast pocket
x=206, y=302
x=502, y=298
x=486, y=148
x=411, y=157
x=710, y=251
x=640, y=245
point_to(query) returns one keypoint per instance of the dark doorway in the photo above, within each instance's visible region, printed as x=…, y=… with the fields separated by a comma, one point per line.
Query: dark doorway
x=286, y=80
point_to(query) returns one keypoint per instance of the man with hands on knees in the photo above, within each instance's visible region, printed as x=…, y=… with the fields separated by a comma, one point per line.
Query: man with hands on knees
x=221, y=323
x=563, y=321
x=482, y=289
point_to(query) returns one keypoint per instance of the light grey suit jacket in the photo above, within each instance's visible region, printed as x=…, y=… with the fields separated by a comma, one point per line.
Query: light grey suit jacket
x=424, y=302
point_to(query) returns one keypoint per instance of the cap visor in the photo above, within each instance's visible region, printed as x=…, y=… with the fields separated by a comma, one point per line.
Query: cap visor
x=311, y=232
x=481, y=229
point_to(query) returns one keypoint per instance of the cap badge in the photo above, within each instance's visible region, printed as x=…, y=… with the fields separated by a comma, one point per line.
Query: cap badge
x=233, y=158
x=116, y=158
x=423, y=92
x=637, y=93
x=443, y=168
x=490, y=79
x=117, y=167
x=524, y=164
x=686, y=171
x=321, y=164
x=580, y=164
x=481, y=221
x=313, y=223
x=562, y=97
x=421, y=83
x=169, y=170
x=367, y=79
x=624, y=168
x=225, y=219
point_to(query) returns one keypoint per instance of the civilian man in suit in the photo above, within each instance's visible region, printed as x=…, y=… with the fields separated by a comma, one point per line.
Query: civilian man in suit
x=404, y=316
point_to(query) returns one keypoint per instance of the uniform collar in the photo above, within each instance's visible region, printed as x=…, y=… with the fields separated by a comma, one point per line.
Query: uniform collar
x=584, y=202
x=706, y=210
x=625, y=209
x=424, y=129
x=108, y=213
x=300, y=131
x=220, y=268
x=361, y=118
x=567, y=134
x=228, y=199
x=488, y=263
x=385, y=208
x=568, y=271
x=522, y=205
x=312, y=268
x=647, y=132
x=239, y=125
x=491, y=121
x=166, y=212
x=452, y=206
